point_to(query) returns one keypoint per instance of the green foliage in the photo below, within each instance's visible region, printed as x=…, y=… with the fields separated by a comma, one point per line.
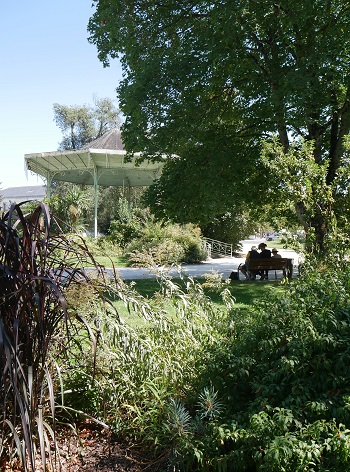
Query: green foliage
x=147, y=241
x=233, y=226
x=263, y=388
x=268, y=69
x=103, y=248
x=82, y=124
x=142, y=374
x=209, y=406
x=109, y=201
x=213, y=281
x=127, y=223
x=72, y=207
x=210, y=192
x=281, y=370
x=304, y=190
x=164, y=244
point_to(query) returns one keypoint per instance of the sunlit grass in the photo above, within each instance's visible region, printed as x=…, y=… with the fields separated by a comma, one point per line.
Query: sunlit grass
x=245, y=294
x=281, y=244
x=106, y=261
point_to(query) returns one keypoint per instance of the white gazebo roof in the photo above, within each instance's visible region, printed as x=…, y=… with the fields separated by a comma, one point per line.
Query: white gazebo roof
x=101, y=162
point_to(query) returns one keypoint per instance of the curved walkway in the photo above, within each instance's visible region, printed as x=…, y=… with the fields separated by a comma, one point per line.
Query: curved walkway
x=223, y=265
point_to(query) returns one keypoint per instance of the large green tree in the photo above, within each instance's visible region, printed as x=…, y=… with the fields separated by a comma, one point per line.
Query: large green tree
x=249, y=69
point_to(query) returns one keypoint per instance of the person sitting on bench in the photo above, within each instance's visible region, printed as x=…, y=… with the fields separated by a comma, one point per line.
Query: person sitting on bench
x=252, y=254
x=275, y=253
x=264, y=254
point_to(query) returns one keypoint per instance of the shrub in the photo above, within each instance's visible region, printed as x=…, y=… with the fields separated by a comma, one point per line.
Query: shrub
x=281, y=370
x=103, y=246
x=165, y=252
x=127, y=223
x=146, y=240
x=163, y=244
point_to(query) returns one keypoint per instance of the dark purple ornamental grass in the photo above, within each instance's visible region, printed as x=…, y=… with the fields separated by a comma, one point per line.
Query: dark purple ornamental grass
x=35, y=268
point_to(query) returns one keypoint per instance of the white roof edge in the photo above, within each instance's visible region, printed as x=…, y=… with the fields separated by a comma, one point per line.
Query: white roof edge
x=78, y=151
x=86, y=151
x=55, y=153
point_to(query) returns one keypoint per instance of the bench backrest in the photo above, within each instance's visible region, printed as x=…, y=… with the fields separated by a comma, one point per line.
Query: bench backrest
x=272, y=263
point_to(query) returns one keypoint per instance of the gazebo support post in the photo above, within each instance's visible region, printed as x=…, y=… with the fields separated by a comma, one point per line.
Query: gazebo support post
x=95, y=198
x=48, y=185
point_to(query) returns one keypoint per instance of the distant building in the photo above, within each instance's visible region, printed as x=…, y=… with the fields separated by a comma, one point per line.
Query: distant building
x=20, y=194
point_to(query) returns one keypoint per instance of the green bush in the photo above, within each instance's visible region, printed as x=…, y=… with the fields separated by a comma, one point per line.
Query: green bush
x=148, y=241
x=167, y=251
x=127, y=223
x=164, y=244
x=282, y=372
x=103, y=245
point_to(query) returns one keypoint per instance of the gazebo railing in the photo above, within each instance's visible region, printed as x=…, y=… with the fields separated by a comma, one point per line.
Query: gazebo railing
x=212, y=246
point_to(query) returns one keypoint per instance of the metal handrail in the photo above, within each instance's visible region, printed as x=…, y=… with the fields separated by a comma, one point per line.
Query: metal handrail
x=217, y=247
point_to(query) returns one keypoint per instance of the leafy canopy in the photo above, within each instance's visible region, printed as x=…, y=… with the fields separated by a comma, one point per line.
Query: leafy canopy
x=244, y=69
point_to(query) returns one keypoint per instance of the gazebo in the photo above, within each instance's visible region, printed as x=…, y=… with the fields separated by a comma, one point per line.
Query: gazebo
x=101, y=162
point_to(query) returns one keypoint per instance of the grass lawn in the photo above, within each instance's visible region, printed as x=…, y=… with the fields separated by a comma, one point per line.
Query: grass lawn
x=245, y=293
x=279, y=245
x=118, y=261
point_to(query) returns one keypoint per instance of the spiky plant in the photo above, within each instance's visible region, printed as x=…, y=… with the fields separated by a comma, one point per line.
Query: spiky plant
x=209, y=406
x=35, y=266
x=179, y=419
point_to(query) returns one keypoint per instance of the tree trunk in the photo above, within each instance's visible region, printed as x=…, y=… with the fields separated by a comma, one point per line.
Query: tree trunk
x=319, y=225
x=339, y=129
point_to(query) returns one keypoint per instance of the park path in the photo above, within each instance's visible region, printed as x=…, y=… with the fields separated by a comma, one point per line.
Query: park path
x=223, y=265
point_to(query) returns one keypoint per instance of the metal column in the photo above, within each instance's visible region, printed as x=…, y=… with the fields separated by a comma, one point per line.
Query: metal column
x=95, y=197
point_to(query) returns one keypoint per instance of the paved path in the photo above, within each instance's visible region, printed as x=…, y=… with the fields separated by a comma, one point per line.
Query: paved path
x=224, y=265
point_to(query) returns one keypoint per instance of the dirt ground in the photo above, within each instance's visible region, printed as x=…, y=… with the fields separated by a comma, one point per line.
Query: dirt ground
x=95, y=451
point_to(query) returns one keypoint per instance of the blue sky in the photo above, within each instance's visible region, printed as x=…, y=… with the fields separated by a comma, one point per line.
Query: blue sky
x=45, y=59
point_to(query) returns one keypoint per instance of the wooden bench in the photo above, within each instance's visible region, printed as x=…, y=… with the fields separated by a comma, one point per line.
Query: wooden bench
x=272, y=263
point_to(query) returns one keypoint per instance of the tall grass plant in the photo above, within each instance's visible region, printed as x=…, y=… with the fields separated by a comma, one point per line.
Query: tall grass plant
x=36, y=268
